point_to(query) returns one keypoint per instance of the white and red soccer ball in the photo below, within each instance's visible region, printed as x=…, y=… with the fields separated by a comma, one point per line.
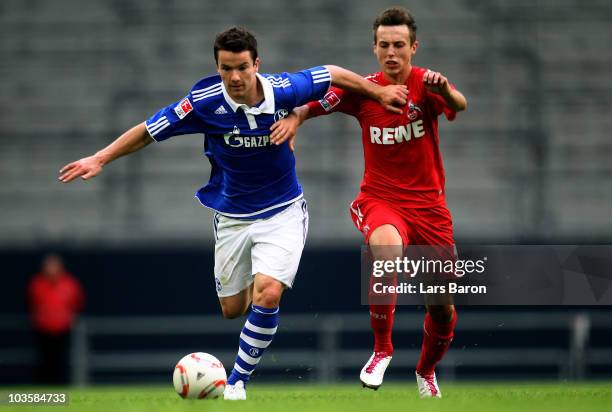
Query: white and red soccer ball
x=199, y=376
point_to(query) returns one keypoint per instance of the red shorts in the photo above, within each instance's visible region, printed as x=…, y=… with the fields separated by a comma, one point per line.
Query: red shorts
x=423, y=226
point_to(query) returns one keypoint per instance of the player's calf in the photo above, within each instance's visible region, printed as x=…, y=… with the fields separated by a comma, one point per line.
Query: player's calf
x=237, y=305
x=257, y=334
x=437, y=338
x=441, y=313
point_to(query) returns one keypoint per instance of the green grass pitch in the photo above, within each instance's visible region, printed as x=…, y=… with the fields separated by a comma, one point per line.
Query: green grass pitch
x=472, y=397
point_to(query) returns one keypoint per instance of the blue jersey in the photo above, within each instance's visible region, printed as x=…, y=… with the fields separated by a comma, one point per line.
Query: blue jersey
x=250, y=178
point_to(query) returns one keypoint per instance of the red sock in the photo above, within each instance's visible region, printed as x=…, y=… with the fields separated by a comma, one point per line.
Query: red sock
x=436, y=340
x=381, y=321
x=382, y=313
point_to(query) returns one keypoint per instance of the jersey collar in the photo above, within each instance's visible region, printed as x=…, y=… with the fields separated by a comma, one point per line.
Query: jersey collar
x=267, y=107
x=383, y=81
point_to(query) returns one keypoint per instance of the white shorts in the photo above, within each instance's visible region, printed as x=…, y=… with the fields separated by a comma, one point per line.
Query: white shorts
x=271, y=246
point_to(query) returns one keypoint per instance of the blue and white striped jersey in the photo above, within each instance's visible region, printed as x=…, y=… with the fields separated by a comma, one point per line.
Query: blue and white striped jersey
x=250, y=178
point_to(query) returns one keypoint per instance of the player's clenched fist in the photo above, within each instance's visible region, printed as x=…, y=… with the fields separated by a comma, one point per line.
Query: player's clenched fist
x=86, y=168
x=435, y=82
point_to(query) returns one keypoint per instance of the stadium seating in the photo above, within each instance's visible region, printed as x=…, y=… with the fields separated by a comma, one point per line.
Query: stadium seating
x=529, y=160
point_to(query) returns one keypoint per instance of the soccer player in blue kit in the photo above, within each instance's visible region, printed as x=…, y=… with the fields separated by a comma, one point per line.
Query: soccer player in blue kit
x=260, y=216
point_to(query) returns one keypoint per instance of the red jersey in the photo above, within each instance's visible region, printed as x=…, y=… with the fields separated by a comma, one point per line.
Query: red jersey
x=54, y=303
x=403, y=163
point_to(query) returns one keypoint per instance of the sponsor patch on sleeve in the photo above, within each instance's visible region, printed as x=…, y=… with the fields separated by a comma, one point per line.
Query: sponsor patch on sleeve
x=329, y=101
x=183, y=108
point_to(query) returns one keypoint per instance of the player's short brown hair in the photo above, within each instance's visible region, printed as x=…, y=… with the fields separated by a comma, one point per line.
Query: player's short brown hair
x=236, y=40
x=396, y=16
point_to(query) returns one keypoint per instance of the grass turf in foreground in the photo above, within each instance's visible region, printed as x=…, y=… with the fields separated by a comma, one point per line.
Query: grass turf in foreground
x=472, y=397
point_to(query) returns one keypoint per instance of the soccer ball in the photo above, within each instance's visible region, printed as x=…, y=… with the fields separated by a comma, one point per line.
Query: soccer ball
x=199, y=376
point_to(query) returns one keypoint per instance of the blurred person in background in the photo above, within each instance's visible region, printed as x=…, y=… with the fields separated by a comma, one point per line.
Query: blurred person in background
x=55, y=298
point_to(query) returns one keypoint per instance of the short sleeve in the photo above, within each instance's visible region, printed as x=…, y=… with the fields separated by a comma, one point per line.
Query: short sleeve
x=309, y=84
x=439, y=105
x=335, y=100
x=173, y=120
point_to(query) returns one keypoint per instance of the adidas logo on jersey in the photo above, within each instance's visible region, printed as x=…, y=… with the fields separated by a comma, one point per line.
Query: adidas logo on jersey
x=221, y=110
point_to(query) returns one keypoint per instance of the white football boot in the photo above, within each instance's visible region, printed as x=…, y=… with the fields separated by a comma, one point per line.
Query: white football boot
x=428, y=386
x=373, y=371
x=235, y=392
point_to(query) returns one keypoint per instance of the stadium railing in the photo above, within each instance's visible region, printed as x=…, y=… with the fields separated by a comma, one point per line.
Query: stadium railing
x=325, y=358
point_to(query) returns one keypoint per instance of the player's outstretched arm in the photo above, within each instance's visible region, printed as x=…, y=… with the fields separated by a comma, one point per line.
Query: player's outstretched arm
x=134, y=139
x=286, y=129
x=435, y=82
x=389, y=96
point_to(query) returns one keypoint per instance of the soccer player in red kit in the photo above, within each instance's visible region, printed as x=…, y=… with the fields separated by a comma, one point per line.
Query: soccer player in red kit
x=402, y=200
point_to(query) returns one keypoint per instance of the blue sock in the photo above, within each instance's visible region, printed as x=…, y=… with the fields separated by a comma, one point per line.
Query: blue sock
x=257, y=334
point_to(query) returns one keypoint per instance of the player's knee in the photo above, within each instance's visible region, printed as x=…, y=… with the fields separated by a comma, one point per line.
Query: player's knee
x=386, y=235
x=441, y=313
x=386, y=243
x=269, y=299
x=268, y=295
